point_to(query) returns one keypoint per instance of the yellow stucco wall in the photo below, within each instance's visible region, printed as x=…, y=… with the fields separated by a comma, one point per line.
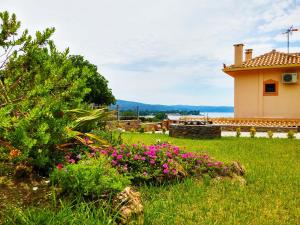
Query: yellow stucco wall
x=249, y=101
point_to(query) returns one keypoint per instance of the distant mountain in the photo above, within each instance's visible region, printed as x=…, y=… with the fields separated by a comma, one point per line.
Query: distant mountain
x=128, y=105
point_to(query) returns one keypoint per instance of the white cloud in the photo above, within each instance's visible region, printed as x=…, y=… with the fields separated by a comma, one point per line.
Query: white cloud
x=162, y=51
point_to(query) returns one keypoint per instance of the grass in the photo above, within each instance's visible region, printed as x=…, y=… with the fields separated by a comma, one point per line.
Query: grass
x=271, y=195
x=67, y=213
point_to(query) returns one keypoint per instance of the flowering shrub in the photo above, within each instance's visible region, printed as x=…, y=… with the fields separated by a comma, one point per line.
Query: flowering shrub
x=162, y=162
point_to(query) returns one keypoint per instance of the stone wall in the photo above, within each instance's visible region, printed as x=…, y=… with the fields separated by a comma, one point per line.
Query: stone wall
x=195, y=131
x=151, y=126
x=127, y=125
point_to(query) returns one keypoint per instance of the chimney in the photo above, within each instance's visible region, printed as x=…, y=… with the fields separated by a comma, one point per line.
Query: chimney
x=248, y=54
x=238, y=54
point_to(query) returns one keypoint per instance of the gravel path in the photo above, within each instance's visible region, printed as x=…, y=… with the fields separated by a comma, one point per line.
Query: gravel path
x=247, y=134
x=258, y=134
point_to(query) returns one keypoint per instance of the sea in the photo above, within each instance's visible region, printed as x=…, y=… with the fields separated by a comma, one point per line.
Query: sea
x=204, y=114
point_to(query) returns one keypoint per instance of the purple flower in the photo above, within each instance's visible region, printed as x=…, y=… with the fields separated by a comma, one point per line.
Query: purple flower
x=165, y=166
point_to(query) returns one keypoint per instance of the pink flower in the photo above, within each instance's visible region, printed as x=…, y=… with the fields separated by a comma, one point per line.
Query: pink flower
x=114, y=162
x=152, y=162
x=72, y=161
x=218, y=163
x=176, y=150
x=86, y=140
x=165, y=166
x=165, y=171
x=103, y=152
x=119, y=156
x=145, y=173
x=169, y=154
x=136, y=157
x=59, y=166
x=174, y=171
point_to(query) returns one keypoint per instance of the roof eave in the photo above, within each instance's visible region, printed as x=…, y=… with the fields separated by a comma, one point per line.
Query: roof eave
x=227, y=69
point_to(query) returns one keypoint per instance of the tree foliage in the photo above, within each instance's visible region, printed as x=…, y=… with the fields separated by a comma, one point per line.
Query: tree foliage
x=38, y=84
x=161, y=116
x=100, y=93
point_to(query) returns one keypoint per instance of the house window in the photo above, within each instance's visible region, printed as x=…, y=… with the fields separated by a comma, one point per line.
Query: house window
x=270, y=88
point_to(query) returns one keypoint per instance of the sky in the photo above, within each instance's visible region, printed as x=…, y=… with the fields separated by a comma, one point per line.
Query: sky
x=163, y=51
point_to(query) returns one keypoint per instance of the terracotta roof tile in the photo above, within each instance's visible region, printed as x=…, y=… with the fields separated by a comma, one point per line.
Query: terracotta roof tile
x=272, y=58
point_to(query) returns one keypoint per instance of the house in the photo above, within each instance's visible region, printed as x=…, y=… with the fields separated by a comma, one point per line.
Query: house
x=266, y=86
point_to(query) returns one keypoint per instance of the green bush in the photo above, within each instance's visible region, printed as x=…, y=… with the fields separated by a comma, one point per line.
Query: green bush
x=252, y=132
x=92, y=177
x=291, y=134
x=270, y=134
x=142, y=129
x=238, y=132
x=38, y=86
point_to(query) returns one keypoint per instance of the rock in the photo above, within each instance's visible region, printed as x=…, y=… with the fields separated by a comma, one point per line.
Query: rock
x=129, y=205
x=239, y=179
x=35, y=188
x=233, y=179
x=22, y=171
x=237, y=168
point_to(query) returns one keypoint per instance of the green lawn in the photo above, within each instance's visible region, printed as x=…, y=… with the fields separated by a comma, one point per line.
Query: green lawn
x=271, y=196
